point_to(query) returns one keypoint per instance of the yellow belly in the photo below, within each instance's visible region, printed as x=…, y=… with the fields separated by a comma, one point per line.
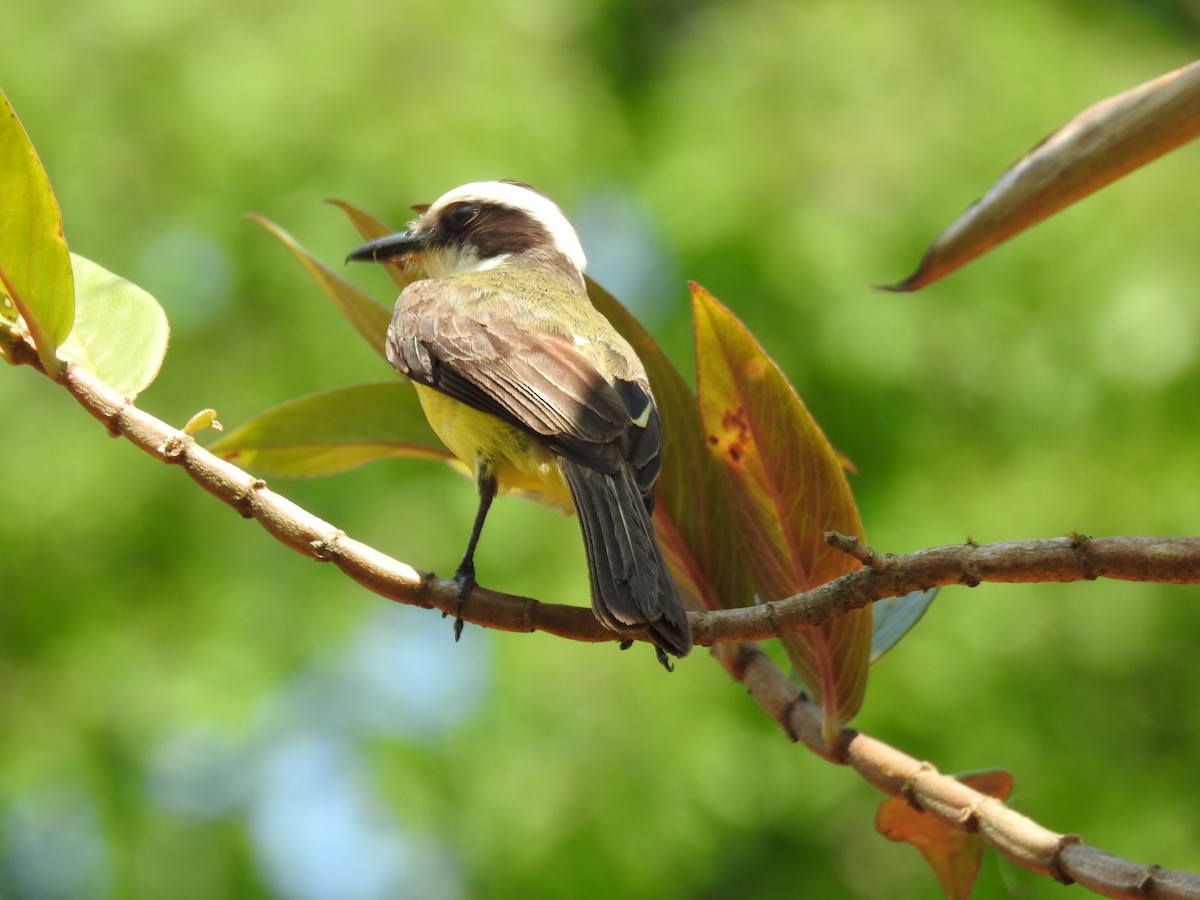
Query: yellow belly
x=519, y=462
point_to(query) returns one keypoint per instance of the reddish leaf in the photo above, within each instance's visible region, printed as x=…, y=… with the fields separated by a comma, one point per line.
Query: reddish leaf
x=953, y=854
x=694, y=522
x=1102, y=143
x=787, y=488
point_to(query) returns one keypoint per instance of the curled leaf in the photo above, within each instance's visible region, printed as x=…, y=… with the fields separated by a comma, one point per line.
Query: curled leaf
x=206, y=418
x=1104, y=142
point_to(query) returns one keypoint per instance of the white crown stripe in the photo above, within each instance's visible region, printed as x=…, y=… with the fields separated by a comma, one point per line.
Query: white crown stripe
x=516, y=196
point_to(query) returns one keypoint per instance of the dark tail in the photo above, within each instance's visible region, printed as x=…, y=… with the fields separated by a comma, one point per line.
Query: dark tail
x=632, y=592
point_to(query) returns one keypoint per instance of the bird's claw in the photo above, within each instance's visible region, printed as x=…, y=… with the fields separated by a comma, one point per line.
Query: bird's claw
x=464, y=580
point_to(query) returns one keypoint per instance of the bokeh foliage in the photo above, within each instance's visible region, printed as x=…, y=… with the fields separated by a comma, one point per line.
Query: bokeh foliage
x=783, y=155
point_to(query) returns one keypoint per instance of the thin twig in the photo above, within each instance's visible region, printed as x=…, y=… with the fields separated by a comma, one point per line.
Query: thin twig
x=1164, y=560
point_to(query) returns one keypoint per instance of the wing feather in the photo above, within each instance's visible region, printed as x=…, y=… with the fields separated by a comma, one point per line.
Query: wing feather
x=511, y=366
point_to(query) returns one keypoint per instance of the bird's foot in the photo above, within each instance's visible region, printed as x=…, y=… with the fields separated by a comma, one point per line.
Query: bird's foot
x=663, y=660
x=464, y=579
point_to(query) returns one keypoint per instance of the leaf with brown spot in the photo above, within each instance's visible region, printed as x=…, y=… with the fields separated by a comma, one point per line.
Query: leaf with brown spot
x=953, y=854
x=786, y=487
x=1104, y=142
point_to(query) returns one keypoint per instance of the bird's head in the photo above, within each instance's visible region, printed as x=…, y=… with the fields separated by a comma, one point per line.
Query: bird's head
x=480, y=226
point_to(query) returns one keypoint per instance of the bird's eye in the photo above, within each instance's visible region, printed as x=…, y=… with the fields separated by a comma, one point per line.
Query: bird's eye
x=460, y=215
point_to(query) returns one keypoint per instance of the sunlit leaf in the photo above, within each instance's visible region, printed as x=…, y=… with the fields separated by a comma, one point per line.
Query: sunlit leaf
x=370, y=228
x=35, y=271
x=369, y=318
x=1104, y=142
x=694, y=522
x=330, y=432
x=953, y=854
x=787, y=488
x=120, y=333
x=895, y=617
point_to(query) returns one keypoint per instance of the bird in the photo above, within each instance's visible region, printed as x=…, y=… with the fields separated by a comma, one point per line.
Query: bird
x=534, y=390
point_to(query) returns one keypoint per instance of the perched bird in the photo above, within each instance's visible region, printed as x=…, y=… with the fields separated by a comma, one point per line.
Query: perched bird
x=534, y=390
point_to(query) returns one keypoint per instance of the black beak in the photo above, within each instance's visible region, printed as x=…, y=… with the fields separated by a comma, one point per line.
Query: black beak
x=388, y=248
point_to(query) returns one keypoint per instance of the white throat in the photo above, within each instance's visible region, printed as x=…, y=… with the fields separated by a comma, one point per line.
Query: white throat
x=456, y=261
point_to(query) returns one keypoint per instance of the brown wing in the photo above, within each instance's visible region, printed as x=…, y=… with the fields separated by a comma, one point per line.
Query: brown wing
x=498, y=358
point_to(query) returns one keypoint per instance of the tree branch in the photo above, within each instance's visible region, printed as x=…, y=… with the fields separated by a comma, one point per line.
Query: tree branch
x=1063, y=857
x=1164, y=560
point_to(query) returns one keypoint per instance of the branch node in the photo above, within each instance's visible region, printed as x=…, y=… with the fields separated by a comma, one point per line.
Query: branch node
x=968, y=817
x=968, y=573
x=788, y=719
x=326, y=548
x=1149, y=879
x=173, y=448
x=768, y=610
x=1081, y=546
x=838, y=541
x=112, y=421
x=908, y=790
x=1055, y=868
x=247, y=500
x=853, y=546
x=970, y=576
x=425, y=593
x=528, y=616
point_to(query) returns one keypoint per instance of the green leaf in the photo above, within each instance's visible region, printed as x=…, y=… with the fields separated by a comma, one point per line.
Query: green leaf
x=370, y=228
x=120, y=332
x=34, y=269
x=895, y=617
x=330, y=432
x=787, y=488
x=693, y=519
x=369, y=318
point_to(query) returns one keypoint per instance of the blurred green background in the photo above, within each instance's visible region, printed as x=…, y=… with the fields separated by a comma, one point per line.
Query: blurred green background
x=189, y=710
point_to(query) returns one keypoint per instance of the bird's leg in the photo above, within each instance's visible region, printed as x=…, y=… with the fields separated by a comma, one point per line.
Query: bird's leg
x=464, y=575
